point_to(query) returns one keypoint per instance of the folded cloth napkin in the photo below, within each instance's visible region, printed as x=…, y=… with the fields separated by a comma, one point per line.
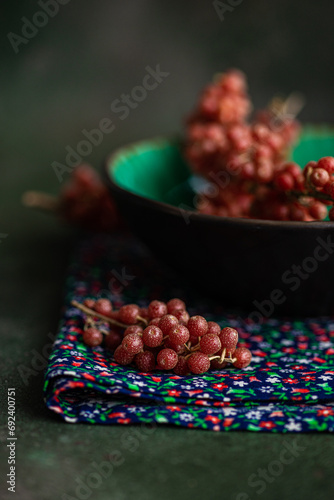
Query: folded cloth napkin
x=288, y=387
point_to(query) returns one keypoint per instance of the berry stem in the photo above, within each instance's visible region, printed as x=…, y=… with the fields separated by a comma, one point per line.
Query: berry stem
x=143, y=320
x=91, y=312
x=89, y=323
x=42, y=201
x=195, y=348
x=222, y=357
x=289, y=107
x=311, y=193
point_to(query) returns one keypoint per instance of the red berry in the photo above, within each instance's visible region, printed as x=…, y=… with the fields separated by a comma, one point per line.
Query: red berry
x=197, y=326
x=181, y=368
x=293, y=169
x=327, y=162
x=128, y=314
x=182, y=316
x=179, y=334
x=145, y=361
x=228, y=338
x=85, y=175
x=122, y=357
x=248, y=171
x=297, y=213
x=167, y=359
x=112, y=340
x=213, y=327
x=90, y=303
x=210, y=343
x=310, y=166
x=174, y=305
x=217, y=365
x=167, y=323
x=243, y=357
x=264, y=171
x=319, y=177
x=199, y=363
x=152, y=336
x=318, y=210
x=132, y=343
x=280, y=212
x=155, y=321
x=234, y=81
x=284, y=181
x=157, y=309
x=133, y=329
x=178, y=348
x=103, y=306
x=92, y=337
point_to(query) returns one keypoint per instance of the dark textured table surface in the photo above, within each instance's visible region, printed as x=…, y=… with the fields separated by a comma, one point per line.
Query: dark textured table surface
x=61, y=82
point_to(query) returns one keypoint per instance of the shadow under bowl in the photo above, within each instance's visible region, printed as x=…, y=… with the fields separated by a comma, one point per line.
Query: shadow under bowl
x=268, y=268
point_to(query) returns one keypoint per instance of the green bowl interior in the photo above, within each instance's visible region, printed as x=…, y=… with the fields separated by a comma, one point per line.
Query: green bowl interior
x=156, y=170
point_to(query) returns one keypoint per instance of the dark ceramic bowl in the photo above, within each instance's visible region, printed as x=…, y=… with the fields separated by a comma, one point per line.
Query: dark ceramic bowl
x=265, y=267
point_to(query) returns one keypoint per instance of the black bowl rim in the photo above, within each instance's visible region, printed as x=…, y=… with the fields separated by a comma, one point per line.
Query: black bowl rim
x=167, y=208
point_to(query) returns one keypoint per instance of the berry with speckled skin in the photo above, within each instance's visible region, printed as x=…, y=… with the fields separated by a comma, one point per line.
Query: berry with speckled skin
x=122, y=357
x=157, y=309
x=179, y=335
x=152, y=336
x=167, y=359
x=92, y=337
x=197, y=326
x=132, y=343
x=128, y=314
x=243, y=357
x=145, y=361
x=210, y=343
x=198, y=363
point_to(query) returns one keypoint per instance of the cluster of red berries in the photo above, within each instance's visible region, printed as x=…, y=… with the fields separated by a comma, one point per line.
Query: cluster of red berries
x=319, y=179
x=245, y=162
x=84, y=201
x=219, y=138
x=298, y=195
x=162, y=336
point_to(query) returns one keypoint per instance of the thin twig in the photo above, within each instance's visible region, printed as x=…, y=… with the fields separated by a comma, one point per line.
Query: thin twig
x=42, y=201
x=91, y=312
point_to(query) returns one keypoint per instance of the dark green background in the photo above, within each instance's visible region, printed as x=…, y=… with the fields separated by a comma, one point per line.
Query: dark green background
x=63, y=81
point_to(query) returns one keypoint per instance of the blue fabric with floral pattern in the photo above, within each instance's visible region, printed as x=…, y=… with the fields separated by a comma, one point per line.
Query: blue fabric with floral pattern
x=289, y=386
